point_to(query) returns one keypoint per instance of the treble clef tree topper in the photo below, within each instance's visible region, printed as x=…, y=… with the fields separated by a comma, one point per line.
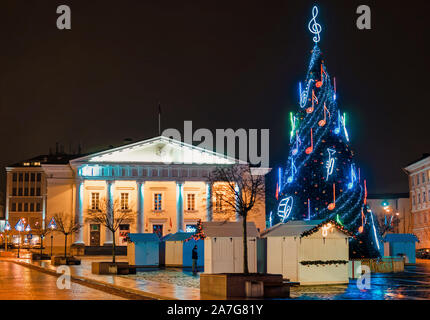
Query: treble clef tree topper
x=314, y=26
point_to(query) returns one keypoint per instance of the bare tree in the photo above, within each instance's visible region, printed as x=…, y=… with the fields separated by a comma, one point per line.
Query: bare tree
x=42, y=231
x=238, y=189
x=66, y=225
x=112, y=214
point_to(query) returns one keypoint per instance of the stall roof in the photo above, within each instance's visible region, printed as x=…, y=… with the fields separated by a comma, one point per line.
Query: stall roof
x=400, y=237
x=292, y=228
x=228, y=229
x=140, y=237
x=179, y=236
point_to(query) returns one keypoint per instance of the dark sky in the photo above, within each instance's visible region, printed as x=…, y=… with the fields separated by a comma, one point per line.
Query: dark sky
x=220, y=64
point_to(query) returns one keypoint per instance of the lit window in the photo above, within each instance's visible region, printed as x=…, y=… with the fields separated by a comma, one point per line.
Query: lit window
x=218, y=202
x=95, y=201
x=158, y=201
x=124, y=201
x=191, y=201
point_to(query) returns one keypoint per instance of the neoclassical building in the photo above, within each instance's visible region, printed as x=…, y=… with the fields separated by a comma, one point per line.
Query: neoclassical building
x=419, y=188
x=161, y=181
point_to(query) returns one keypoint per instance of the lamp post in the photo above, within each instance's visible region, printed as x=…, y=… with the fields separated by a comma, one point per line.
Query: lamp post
x=52, y=225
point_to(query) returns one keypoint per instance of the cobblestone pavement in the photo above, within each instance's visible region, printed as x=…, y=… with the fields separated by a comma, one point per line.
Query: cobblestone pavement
x=22, y=283
x=177, y=276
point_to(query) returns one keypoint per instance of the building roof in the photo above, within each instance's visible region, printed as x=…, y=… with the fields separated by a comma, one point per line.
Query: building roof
x=400, y=237
x=59, y=158
x=291, y=228
x=413, y=165
x=228, y=229
x=388, y=196
x=179, y=236
x=141, y=237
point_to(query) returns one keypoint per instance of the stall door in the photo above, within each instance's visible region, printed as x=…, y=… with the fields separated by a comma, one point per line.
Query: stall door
x=289, y=259
x=94, y=235
x=222, y=255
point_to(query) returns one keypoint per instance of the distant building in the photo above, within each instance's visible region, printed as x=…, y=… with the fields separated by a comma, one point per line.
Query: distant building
x=392, y=210
x=419, y=187
x=161, y=180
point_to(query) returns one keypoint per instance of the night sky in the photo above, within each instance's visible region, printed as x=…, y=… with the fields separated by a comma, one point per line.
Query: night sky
x=221, y=64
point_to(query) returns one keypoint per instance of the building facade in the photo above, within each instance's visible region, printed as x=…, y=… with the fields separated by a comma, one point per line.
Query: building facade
x=419, y=186
x=160, y=181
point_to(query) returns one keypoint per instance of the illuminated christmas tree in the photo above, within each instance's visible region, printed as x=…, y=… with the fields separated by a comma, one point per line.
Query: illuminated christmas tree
x=321, y=180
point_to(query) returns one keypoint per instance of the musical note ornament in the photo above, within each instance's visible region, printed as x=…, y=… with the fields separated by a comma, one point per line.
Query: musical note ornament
x=314, y=26
x=285, y=207
x=311, y=148
x=332, y=205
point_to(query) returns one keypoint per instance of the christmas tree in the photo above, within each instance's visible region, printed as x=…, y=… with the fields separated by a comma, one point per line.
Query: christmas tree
x=321, y=180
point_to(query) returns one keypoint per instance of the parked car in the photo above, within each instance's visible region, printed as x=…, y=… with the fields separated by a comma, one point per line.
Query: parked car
x=423, y=253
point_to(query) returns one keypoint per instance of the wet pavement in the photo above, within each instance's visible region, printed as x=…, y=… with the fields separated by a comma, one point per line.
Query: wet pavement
x=22, y=283
x=412, y=284
x=175, y=283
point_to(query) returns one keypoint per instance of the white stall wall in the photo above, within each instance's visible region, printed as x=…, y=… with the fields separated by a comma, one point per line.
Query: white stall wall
x=225, y=255
x=174, y=253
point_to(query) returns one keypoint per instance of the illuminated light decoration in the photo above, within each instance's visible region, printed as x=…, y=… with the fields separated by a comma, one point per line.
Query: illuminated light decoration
x=277, y=191
x=323, y=122
x=293, y=125
x=353, y=177
x=338, y=220
x=361, y=228
x=305, y=94
x=313, y=26
x=7, y=227
x=385, y=203
x=300, y=92
x=332, y=205
x=298, y=141
x=309, y=209
x=344, y=127
x=293, y=172
x=270, y=219
x=280, y=178
x=325, y=229
x=337, y=129
x=391, y=221
x=28, y=229
x=285, y=207
x=365, y=193
x=311, y=148
x=330, y=162
x=374, y=231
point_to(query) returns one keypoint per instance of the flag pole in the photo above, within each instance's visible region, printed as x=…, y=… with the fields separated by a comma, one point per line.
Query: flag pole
x=159, y=119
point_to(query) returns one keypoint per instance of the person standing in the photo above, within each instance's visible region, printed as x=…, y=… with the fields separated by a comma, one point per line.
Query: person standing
x=194, y=256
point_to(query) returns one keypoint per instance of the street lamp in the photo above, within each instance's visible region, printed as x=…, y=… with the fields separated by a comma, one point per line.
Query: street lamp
x=19, y=227
x=52, y=225
x=6, y=229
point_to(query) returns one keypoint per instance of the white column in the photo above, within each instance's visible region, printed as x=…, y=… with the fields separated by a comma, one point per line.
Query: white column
x=140, y=227
x=79, y=216
x=179, y=206
x=237, y=191
x=109, y=202
x=209, y=202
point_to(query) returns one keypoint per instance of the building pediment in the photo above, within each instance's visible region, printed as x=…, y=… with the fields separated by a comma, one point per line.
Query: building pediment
x=161, y=150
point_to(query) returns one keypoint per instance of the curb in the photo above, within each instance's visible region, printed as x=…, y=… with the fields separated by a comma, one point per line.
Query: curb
x=98, y=283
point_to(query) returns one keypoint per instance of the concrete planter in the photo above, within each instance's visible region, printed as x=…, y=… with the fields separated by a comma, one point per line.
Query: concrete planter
x=238, y=285
x=60, y=260
x=110, y=268
x=77, y=249
x=38, y=256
